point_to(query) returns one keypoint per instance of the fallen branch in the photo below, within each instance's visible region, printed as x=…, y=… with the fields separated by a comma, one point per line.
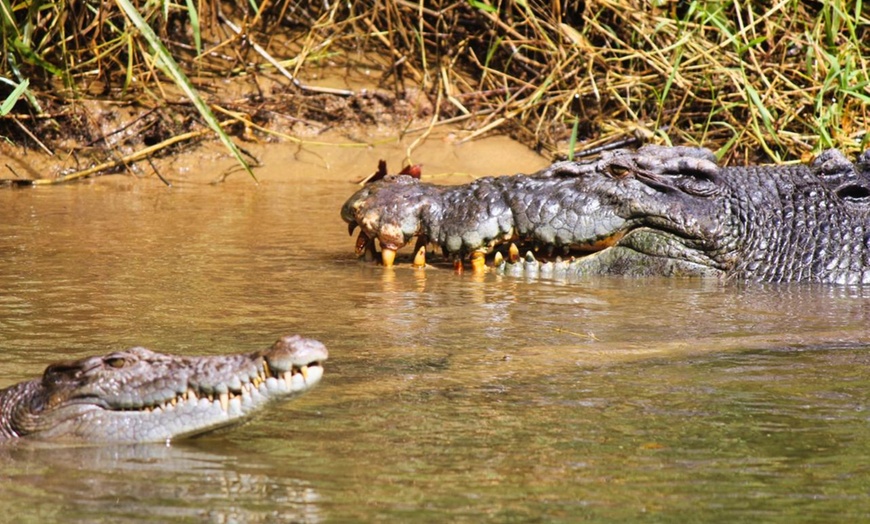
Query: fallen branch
x=133, y=157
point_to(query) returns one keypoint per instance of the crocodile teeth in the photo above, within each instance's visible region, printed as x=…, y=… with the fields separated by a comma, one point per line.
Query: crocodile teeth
x=478, y=262
x=388, y=256
x=498, y=259
x=513, y=253
x=304, y=371
x=420, y=257
x=225, y=401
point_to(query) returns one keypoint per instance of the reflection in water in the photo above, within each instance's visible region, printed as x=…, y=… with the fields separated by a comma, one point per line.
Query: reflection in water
x=446, y=397
x=151, y=483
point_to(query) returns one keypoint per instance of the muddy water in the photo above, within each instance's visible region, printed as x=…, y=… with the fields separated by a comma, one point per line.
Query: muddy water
x=447, y=397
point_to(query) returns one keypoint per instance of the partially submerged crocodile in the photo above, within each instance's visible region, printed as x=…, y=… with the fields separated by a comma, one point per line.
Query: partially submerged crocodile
x=655, y=211
x=139, y=395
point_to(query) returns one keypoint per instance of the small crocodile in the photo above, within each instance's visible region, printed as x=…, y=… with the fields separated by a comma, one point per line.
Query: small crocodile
x=140, y=395
x=657, y=211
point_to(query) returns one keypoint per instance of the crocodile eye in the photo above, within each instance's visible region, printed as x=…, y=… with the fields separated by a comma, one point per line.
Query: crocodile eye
x=618, y=170
x=115, y=362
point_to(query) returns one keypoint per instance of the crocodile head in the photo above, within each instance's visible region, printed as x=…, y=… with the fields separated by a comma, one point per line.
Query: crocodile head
x=657, y=211
x=627, y=213
x=140, y=395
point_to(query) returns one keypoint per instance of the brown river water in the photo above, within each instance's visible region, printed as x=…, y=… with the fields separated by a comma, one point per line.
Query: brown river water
x=447, y=397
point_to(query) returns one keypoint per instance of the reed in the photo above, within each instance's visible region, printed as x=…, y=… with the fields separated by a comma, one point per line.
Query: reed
x=770, y=80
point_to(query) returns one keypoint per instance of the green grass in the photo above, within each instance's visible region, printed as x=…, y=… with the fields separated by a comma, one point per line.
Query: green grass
x=164, y=60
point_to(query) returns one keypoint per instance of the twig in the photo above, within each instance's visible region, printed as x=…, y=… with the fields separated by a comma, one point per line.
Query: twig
x=262, y=52
x=157, y=172
x=33, y=137
x=133, y=157
x=432, y=122
x=104, y=138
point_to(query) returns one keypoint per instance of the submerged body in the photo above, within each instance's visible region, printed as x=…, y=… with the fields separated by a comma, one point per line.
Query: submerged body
x=657, y=211
x=139, y=395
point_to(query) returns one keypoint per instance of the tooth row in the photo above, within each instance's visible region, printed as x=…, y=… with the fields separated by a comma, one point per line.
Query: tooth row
x=191, y=395
x=366, y=247
x=478, y=258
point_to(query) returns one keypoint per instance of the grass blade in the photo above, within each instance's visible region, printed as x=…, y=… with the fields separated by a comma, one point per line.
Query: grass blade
x=13, y=97
x=171, y=67
x=194, y=26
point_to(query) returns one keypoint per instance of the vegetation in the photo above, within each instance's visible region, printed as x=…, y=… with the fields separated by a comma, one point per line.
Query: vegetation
x=755, y=80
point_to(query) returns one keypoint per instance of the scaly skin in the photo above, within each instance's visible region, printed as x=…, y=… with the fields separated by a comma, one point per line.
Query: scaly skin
x=656, y=211
x=139, y=395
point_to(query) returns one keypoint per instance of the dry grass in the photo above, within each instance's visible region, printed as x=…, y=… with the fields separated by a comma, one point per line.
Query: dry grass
x=753, y=80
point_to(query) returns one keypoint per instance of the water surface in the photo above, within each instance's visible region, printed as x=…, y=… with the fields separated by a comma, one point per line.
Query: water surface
x=447, y=397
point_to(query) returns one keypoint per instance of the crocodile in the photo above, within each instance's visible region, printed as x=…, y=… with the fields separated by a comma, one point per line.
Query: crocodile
x=139, y=395
x=655, y=211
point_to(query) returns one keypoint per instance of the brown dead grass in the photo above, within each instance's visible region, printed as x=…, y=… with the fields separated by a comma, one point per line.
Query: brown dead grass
x=755, y=81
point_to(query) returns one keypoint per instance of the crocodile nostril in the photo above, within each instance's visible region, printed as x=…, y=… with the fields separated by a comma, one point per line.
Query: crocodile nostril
x=853, y=192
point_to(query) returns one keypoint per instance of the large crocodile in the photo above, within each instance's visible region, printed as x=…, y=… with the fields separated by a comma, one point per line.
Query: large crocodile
x=139, y=395
x=655, y=211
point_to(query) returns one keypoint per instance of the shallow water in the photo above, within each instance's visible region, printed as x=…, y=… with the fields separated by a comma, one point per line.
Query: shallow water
x=446, y=397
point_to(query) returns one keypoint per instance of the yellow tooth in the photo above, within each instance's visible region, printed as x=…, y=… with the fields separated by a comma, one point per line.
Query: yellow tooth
x=191, y=395
x=304, y=371
x=225, y=401
x=174, y=401
x=388, y=256
x=478, y=262
x=513, y=253
x=498, y=259
x=420, y=257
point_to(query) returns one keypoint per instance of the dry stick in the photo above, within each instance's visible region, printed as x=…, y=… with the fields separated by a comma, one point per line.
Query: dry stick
x=262, y=52
x=423, y=137
x=261, y=8
x=248, y=123
x=448, y=121
x=157, y=172
x=133, y=157
x=105, y=137
x=32, y=136
x=514, y=98
x=420, y=8
x=298, y=141
x=508, y=114
x=418, y=76
x=309, y=43
x=10, y=168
